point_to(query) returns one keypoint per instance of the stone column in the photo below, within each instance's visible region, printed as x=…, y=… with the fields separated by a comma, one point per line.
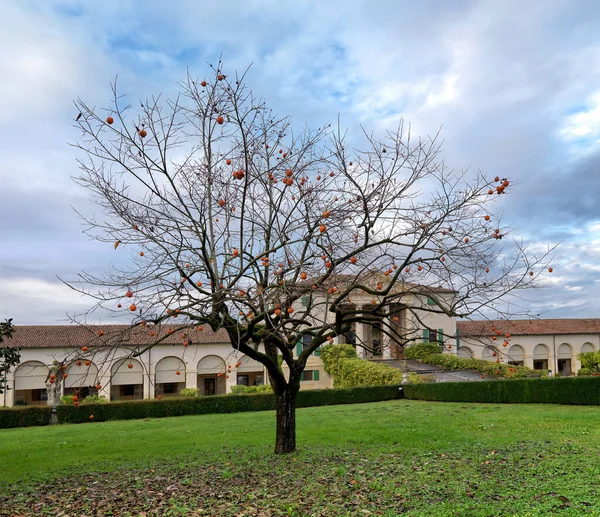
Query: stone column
x=361, y=337
x=8, y=398
x=386, y=341
x=232, y=381
x=191, y=378
x=149, y=375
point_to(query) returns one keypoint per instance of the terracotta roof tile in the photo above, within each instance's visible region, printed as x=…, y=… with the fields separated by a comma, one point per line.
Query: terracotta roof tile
x=55, y=336
x=530, y=327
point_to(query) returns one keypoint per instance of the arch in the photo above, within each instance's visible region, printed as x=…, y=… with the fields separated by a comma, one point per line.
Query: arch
x=31, y=375
x=564, y=351
x=249, y=365
x=211, y=365
x=465, y=352
x=167, y=368
x=586, y=348
x=516, y=354
x=540, y=352
x=488, y=354
x=81, y=375
x=123, y=375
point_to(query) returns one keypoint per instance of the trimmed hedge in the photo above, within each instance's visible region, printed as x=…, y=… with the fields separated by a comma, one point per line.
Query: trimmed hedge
x=358, y=372
x=155, y=408
x=28, y=416
x=420, y=350
x=488, y=367
x=564, y=390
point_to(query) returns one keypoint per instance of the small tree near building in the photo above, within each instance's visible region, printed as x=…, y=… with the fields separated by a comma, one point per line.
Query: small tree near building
x=236, y=219
x=9, y=356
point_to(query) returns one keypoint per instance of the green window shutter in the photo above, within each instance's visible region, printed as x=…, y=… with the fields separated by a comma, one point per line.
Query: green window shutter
x=305, y=301
x=430, y=301
x=457, y=339
x=315, y=375
x=298, y=348
x=425, y=335
x=318, y=352
x=302, y=376
x=440, y=336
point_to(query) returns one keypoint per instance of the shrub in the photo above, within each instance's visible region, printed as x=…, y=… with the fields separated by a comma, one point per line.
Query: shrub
x=24, y=416
x=155, y=408
x=590, y=361
x=565, y=390
x=67, y=399
x=189, y=392
x=332, y=354
x=357, y=372
x=420, y=350
x=487, y=367
x=240, y=388
x=95, y=399
x=414, y=378
x=584, y=371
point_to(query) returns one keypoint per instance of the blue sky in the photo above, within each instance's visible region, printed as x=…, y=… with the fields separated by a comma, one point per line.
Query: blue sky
x=515, y=86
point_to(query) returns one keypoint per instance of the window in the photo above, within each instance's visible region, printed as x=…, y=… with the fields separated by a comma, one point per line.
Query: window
x=516, y=363
x=260, y=380
x=128, y=390
x=350, y=338
x=242, y=380
x=40, y=395
x=540, y=364
x=310, y=375
x=306, y=300
x=306, y=341
x=170, y=387
x=433, y=336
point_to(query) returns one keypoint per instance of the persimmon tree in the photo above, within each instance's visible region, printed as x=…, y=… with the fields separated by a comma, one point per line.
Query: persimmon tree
x=234, y=214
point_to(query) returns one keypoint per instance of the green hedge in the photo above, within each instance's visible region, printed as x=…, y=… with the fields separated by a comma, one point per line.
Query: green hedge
x=420, y=350
x=155, y=408
x=487, y=367
x=358, y=372
x=24, y=416
x=564, y=390
x=240, y=388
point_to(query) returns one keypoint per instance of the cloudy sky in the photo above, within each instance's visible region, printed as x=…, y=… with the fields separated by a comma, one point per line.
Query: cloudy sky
x=515, y=86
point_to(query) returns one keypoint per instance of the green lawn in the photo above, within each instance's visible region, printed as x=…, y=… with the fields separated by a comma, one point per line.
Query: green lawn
x=400, y=457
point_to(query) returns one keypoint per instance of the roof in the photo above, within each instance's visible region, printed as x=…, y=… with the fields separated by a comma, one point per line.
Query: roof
x=61, y=336
x=529, y=327
x=373, y=277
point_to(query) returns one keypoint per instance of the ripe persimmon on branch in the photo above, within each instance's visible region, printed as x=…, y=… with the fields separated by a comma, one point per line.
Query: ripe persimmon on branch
x=241, y=221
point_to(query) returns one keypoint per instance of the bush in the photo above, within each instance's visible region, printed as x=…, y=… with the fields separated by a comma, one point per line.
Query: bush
x=357, y=372
x=565, y=390
x=420, y=350
x=487, y=367
x=414, y=378
x=584, y=371
x=590, y=361
x=67, y=399
x=240, y=388
x=331, y=355
x=155, y=408
x=25, y=416
x=95, y=399
x=189, y=392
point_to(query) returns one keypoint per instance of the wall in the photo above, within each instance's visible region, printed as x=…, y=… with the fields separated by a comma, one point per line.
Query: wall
x=107, y=359
x=528, y=343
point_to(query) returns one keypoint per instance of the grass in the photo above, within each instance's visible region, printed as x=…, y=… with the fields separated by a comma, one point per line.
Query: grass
x=400, y=457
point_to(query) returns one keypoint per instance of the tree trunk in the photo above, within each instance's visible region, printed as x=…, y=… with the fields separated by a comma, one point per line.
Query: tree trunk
x=285, y=440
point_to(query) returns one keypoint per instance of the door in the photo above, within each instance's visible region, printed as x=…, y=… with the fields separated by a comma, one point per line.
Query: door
x=564, y=367
x=210, y=386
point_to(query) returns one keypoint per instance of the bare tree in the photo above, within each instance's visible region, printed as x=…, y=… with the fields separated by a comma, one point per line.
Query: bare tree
x=238, y=214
